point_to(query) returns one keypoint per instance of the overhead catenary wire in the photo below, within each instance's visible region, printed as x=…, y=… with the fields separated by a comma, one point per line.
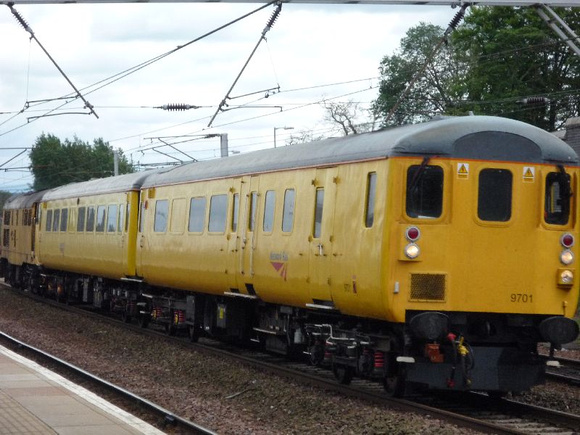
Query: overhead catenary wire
x=269, y=26
x=26, y=27
x=452, y=26
x=116, y=77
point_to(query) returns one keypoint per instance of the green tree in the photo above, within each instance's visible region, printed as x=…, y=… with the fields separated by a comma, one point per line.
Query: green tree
x=498, y=61
x=432, y=92
x=512, y=55
x=54, y=163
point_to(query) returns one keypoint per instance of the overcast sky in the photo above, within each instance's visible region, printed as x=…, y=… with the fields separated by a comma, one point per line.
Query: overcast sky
x=312, y=52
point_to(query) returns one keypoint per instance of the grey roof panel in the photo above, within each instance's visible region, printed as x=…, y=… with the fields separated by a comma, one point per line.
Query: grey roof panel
x=99, y=186
x=23, y=200
x=505, y=139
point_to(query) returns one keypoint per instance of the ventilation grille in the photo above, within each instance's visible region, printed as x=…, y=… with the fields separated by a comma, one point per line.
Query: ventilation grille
x=427, y=287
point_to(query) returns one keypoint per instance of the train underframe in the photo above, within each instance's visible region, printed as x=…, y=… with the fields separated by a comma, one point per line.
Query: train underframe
x=496, y=353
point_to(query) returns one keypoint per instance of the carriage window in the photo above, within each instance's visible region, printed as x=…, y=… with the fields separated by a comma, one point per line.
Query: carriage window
x=235, y=211
x=161, y=212
x=63, y=219
x=253, y=209
x=142, y=216
x=218, y=213
x=112, y=219
x=197, y=215
x=101, y=211
x=121, y=217
x=288, y=213
x=55, y=220
x=370, y=202
x=90, y=219
x=317, y=230
x=424, y=191
x=269, y=207
x=558, y=194
x=81, y=219
x=48, y=220
x=494, y=201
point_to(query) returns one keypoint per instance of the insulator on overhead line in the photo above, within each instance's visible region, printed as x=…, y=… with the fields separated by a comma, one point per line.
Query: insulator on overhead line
x=20, y=19
x=272, y=19
x=176, y=107
x=534, y=100
x=456, y=19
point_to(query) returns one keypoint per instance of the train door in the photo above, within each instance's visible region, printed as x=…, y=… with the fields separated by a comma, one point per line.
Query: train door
x=247, y=231
x=235, y=232
x=141, y=239
x=321, y=236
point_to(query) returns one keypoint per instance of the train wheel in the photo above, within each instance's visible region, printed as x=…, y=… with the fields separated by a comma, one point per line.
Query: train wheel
x=126, y=316
x=343, y=374
x=170, y=329
x=143, y=320
x=193, y=334
x=316, y=355
x=394, y=383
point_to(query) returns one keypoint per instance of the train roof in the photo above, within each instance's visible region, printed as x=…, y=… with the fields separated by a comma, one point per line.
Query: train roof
x=99, y=186
x=23, y=200
x=470, y=137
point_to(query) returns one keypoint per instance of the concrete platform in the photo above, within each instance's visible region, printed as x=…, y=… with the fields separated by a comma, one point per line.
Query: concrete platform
x=34, y=400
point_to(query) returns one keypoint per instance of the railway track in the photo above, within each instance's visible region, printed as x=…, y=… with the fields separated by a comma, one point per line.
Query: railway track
x=157, y=413
x=475, y=411
x=568, y=372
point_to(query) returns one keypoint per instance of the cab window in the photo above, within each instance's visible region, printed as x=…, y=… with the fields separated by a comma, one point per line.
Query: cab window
x=494, y=201
x=424, y=191
x=557, y=202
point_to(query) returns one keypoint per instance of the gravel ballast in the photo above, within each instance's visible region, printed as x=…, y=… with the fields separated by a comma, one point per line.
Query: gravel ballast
x=226, y=397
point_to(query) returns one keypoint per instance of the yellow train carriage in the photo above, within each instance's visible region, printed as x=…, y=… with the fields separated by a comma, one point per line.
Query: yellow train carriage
x=18, y=237
x=437, y=254
x=489, y=229
x=90, y=228
x=259, y=235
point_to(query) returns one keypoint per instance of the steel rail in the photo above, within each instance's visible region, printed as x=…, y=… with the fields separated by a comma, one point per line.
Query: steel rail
x=320, y=379
x=168, y=417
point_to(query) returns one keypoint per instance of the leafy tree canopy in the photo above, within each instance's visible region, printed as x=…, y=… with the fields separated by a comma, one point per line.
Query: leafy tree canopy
x=498, y=61
x=432, y=92
x=514, y=55
x=54, y=163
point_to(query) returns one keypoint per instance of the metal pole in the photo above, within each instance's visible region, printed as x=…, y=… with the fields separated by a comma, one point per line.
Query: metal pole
x=115, y=162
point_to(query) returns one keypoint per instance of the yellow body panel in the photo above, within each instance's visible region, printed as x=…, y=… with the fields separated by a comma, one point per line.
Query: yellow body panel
x=292, y=268
x=492, y=267
x=18, y=237
x=110, y=254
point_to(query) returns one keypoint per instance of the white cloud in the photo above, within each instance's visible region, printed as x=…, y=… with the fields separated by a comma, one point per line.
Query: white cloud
x=308, y=46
